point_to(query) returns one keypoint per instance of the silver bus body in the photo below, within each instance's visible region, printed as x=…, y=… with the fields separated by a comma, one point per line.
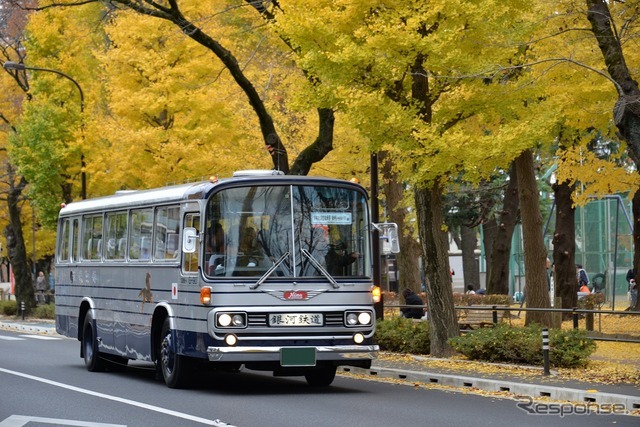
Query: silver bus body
x=288, y=288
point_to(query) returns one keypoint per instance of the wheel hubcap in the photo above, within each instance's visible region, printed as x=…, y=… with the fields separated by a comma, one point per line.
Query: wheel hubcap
x=167, y=354
x=88, y=344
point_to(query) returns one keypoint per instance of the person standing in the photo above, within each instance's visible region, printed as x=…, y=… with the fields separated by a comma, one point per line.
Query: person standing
x=633, y=289
x=41, y=287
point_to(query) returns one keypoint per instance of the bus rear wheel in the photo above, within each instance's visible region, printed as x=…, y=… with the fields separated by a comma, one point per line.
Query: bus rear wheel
x=321, y=377
x=92, y=359
x=174, y=367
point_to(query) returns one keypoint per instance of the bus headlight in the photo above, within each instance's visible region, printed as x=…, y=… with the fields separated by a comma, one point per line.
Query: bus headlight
x=231, y=320
x=231, y=340
x=237, y=320
x=364, y=318
x=358, y=318
x=358, y=338
x=224, y=320
x=352, y=319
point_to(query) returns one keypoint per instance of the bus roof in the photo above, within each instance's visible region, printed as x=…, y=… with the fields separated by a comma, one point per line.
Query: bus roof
x=191, y=191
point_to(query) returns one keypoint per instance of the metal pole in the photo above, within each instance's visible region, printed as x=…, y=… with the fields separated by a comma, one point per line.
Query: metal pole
x=615, y=264
x=545, y=350
x=33, y=230
x=375, y=217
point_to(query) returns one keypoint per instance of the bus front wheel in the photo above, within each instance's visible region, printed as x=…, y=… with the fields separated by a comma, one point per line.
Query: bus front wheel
x=174, y=367
x=321, y=377
x=92, y=358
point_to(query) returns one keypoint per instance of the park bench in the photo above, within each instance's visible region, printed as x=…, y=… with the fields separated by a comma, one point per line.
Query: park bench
x=471, y=318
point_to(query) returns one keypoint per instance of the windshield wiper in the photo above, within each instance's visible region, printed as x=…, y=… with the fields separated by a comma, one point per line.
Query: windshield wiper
x=320, y=268
x=268, y=273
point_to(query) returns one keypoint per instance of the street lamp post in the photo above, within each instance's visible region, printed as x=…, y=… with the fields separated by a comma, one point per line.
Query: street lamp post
x=18, y=66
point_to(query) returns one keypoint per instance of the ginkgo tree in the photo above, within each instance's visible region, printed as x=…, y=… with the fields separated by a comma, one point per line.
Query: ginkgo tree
x=414, y=76
x=171, y=99
x=610, y=31
x=18, y=221
x=566, y=67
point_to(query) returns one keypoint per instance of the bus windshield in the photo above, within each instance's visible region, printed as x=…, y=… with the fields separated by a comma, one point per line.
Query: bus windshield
x=317, y=230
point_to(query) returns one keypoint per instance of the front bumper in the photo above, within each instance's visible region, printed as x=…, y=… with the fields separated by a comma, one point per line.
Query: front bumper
x=244, y=354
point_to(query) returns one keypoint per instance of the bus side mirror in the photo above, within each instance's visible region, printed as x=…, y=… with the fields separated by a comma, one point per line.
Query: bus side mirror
x=189, y=240
x=389, y=233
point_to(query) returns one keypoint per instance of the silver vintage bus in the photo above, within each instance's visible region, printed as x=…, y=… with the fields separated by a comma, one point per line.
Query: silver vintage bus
x=261, y=270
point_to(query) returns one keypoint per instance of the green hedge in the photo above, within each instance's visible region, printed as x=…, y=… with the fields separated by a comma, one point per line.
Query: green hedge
x=504, y=343
x=8, y=308
x=47, y=311
x=403, y=335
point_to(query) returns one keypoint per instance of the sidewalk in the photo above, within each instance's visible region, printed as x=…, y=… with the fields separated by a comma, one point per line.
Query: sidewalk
x=510, y=380
x=461, y=375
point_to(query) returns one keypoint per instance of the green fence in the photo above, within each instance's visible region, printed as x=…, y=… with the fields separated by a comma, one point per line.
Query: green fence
x=604, y=246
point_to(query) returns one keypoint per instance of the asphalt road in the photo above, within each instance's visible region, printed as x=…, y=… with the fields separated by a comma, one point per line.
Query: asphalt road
x=43, y=382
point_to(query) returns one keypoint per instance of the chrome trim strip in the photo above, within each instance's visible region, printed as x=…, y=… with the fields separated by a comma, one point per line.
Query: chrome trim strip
x=272, y=354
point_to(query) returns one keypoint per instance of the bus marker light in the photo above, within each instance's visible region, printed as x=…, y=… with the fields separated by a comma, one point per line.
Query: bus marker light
x=358, y=338
x=376, y=294
x=205, y=295
x=231, y=340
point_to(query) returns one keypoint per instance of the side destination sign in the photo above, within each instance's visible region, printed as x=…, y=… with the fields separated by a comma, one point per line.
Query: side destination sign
x=320, y=218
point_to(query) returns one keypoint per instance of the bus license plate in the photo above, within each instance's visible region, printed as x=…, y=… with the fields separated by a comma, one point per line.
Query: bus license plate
x=295, y=319
x=300, y=356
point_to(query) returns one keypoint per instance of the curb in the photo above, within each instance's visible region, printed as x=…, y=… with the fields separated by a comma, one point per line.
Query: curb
x=26, y=327
x=631, y=403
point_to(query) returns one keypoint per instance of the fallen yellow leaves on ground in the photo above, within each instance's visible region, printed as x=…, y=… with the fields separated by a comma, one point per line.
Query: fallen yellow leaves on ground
x=605, y=369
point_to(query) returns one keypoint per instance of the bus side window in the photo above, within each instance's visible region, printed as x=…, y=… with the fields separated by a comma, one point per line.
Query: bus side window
x=167, y=228
x=115, y=229
x=190, y=261
x=75, y=238
x=64, y=253
x=92, y=237
x=140, y=236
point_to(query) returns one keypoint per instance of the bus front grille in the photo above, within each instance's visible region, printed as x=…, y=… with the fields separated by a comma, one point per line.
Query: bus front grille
x=333, y=318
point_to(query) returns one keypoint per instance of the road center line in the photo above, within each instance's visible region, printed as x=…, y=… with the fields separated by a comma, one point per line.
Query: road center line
x=176, y=414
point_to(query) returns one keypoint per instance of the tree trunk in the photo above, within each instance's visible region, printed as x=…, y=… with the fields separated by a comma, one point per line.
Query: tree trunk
x=407, y=259
x=564, y=247
x=17, y=251
x=498, y=277
x=470, y=267
x=442, y=318
x=489, y=233
x=535, y=253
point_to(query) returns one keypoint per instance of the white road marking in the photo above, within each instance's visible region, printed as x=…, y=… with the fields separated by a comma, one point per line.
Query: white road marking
x=23, y=420
x=169, y=412
x=2, y=337
x=41, y=337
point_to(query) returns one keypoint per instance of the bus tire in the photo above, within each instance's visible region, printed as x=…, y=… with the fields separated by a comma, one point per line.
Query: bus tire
x=92, y=358
x=174, y=367
x=321, y=377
